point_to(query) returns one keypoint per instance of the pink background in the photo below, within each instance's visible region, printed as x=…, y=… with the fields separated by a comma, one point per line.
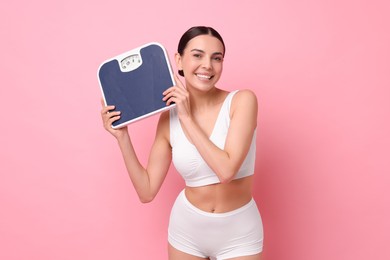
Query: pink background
x=320, y=69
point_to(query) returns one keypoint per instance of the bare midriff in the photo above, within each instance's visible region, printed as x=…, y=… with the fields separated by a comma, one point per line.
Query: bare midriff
x=221, y=198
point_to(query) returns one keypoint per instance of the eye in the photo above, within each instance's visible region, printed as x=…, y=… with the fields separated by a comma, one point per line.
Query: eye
x=197, y=55
x=218, y=58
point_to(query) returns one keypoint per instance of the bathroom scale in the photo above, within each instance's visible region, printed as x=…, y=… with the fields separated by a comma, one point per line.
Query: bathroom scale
x=134, y=82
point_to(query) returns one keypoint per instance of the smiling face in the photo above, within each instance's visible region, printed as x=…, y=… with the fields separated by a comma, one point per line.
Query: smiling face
x=201, y=62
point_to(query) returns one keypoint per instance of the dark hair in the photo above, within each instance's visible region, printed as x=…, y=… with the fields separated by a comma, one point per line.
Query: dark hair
x=192, y=33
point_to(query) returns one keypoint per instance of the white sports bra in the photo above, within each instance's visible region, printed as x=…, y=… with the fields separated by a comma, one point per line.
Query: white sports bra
x=186, y=158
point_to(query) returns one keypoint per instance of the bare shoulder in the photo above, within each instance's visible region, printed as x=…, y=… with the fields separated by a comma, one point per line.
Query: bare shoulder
x=163, y=125
x=243, y=112
x=244, y=99
x=164, y=116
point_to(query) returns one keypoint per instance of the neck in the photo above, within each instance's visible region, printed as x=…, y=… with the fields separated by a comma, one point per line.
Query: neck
x=201, y=100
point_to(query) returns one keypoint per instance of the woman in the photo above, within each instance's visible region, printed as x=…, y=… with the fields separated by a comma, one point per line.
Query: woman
x=210, y=136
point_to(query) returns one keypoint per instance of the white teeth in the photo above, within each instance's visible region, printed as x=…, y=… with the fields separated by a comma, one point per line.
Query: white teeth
x=203, y=76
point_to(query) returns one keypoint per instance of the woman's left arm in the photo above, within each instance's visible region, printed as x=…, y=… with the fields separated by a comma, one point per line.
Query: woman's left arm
x=226, y=163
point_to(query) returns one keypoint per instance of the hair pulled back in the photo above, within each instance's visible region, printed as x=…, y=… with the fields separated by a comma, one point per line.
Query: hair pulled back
x=192, y=33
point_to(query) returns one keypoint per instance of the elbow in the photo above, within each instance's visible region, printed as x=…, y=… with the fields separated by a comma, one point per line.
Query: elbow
x=225, y=180
x=227, y=177
x=146, y=198
x=144, y=201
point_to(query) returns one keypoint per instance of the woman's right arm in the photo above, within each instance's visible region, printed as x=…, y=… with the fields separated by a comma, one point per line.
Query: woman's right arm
x=146, y=181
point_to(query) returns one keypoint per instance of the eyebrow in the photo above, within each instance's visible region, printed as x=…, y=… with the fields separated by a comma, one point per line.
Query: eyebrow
x=215, y=53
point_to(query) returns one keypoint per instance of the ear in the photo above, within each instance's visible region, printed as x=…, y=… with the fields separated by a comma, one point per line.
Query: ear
x=178, y=61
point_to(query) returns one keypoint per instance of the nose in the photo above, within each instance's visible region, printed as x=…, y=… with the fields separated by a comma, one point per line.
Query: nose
x=207, y=63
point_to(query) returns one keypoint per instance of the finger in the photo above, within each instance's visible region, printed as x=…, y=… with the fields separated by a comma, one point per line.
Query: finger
x=107, y=109
x=108, y=116
x=103, y=103
x=171, y=100
x=169, y=90
x=175, y=87
x=113, y=113
x=113, y=119
x=179, y=83
x=104, y=106
x=174, y=94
